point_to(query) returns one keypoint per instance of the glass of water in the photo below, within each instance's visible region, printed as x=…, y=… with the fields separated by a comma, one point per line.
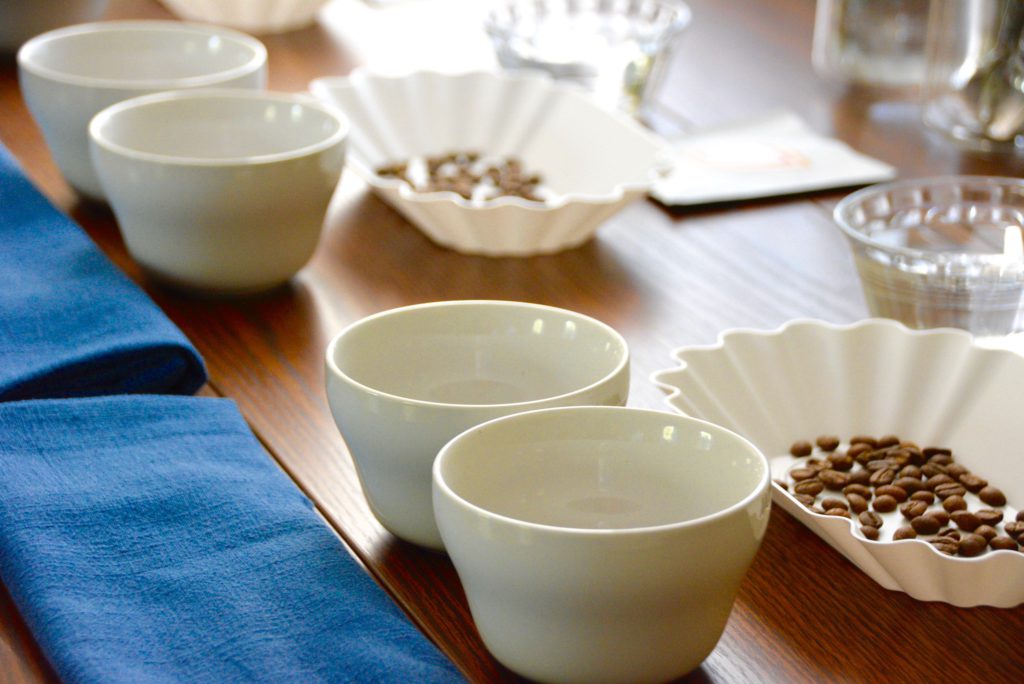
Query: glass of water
x=941, y=252
x=611, y=47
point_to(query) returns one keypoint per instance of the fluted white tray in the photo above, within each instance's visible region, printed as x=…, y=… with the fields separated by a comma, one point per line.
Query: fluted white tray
x=595, y=161
x=255, y=16
x=933, y=387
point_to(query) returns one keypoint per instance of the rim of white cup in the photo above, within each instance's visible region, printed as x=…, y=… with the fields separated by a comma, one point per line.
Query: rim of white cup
x=337, y=372
x=98, y=121
x=760, y=489
x=256, y=61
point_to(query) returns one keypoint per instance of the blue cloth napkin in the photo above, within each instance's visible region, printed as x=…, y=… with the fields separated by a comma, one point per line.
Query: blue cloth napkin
x=71, y=324
x=152, y=539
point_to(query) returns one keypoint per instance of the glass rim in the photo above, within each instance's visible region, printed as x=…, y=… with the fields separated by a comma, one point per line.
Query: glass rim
x=846, y=205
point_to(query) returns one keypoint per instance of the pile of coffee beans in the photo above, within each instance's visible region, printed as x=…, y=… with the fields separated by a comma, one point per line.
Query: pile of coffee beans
x=922, y=492
x=469, y=175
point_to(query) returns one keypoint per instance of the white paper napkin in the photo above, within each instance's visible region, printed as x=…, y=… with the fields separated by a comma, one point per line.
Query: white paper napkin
x=774, y=154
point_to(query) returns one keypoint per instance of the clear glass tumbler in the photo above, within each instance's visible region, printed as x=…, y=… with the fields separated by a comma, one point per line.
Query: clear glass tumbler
x=975, y=72
x=879, y=43
x=611, y=47
x=941, y=252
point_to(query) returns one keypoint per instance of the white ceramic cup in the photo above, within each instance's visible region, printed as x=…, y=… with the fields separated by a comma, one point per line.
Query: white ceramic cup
x=70, y=74
x=601, y=544
x=403, y=382
x=220, y=191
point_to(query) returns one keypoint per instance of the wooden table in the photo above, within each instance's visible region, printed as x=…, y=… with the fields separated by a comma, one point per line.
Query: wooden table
x=663, y=278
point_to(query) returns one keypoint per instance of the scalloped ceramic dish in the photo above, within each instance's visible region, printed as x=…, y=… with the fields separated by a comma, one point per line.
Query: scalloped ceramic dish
x=256, y=16
x=593, y=161
x=934, y=387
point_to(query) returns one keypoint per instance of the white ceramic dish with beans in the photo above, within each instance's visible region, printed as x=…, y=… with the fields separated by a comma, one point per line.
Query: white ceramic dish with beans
x=875, y=377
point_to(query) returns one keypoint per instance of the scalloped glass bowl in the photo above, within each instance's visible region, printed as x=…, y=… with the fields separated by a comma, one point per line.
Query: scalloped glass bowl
x=933, y=387
x=593, y=161
x=255, y=16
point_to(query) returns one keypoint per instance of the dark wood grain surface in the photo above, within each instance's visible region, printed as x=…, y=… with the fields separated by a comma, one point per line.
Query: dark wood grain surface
x=664, y=278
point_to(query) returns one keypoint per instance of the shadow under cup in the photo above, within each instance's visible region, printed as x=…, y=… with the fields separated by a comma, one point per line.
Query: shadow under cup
x=601, y=544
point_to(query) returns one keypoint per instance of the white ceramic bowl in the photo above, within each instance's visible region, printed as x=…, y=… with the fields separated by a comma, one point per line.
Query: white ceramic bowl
x=254, y=16
x=875, y=377
x=595, y=162
x=221, y=191
x=401, y=383
x=68, y=75
x=22, y=20
x=601, y=544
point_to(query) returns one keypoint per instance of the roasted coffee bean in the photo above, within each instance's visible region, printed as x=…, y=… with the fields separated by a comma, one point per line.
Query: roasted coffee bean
x=932, y=469
x=945, y=545
x=951, y=533
x=864, y=439
x=805, y=499
x=857, y=450
x=913, y=509
x=941, y=515
x=817, y=509
x=831, y=503
x=916, y=457
x=910, y=471
x=799, y=474
x=876, y=464
x=926, y=524
x=812, y=487
x=837, y=512
x=966, y=520
x=947, y=489
x=955, y=470
x=941, y=459
x=1001, y=544
x=882, y=477
x=870, y=518
x=884, y=503
x=931, y=451
x=954, y=503
x=905, y=532
x=833, y=479
x=899, y=457
x=840, y=462
x=861, y=477
x=986, y=531
x=992, y=496
x=801, y=449
x=887, y=441
x=1020, y=516
x=858, y=489
x=923, y=495
x=827, y=442
x=858, y=504
x=971, y=545
x=895, y=492
x=1015, y=530
x=973, y=483
x=815, y=464
x=935, y=480
x=989, y=516
x=872, y=533
x=781, y=483
x=908, y=484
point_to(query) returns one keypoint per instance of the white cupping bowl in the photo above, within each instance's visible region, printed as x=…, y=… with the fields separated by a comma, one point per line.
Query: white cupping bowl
x=256, y=16
x=933, y=387
x=595, y=161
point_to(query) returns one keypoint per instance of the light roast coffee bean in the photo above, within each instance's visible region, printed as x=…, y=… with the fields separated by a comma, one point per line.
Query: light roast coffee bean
x=947, y=489
x=992, y=496
x=926, y=524
x=945, y=545
x=989, y=516
x=837, y=512
x=905, y=532
x=827, y=442
x=986, y=531
x=861, y=477
x=801, y=449
x=873, y=533
x=884, y=503
x=858, y=504
x=858, y=489
x=895, y=492
x=923, y=495
x=799, y=474
x=973, y=483
x=909, y=484
x=830, y=503
x=966, y=520
x=834, y=480
x=913, y=509
x=812, y=487
x=1002, y=544
x=870, y=518
x=882, y=477
x=954, y=503
x=887, y=441
x=935, y=480
x=971, y=545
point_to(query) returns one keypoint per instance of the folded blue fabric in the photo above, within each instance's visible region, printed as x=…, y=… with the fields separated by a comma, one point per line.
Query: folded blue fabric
x=152, y=539
x=71, y=324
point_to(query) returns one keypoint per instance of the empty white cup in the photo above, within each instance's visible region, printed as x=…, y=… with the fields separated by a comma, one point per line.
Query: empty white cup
x=220, y=191
x=601, y=544
x=68, y=75
x=403, y=382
